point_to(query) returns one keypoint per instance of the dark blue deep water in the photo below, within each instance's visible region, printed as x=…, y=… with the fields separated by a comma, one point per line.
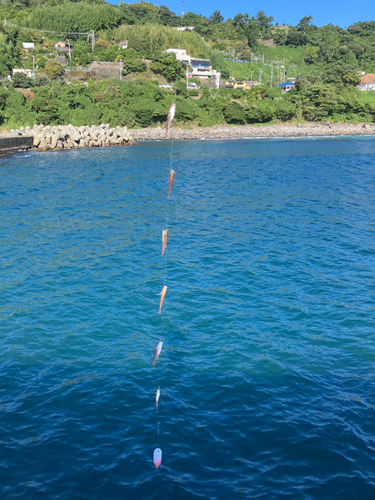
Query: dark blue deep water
x=267, y=373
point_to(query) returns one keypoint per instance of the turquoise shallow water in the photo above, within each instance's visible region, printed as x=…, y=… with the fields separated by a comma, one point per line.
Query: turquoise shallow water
x=268, y=364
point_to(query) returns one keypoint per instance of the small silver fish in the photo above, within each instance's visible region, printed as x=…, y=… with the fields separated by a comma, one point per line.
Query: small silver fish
x=170, y=117
x=164, y=239
x=157, y=351
x=157, y=398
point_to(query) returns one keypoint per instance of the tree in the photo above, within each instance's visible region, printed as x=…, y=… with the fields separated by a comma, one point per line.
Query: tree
x=53, y=69
x=342, y=75
x=40, y=81
x=296, y=38
x=167, y=66
x=240, y=20
x=216, y=17
x=312, y=55
x=264, y=22
x=20, y=80
x=167, y=18
x=133, y=66
x=279, y=37
x=252, y=33
x=362, y=29
x=41, y=63
x=81, y=54
x=9, y=58
x=304, y=23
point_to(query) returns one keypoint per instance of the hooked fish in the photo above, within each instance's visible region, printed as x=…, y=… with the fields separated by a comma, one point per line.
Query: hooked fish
x=170, y=117
x=163, y=292
x=164, y=240
x=171, y=179
x=157, y=398
x=157, y=351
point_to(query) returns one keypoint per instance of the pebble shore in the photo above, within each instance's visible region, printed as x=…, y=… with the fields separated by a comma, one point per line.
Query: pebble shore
x=254, y=131
x=68, y=137
x=56, y=138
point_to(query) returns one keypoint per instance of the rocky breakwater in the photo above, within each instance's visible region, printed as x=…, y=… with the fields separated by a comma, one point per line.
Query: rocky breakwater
x=56, y=138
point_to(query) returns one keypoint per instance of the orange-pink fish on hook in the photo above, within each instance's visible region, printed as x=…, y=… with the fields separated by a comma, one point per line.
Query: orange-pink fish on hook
x=163, y=292
x=164, y=239
x=171, y=179
x=170, y=117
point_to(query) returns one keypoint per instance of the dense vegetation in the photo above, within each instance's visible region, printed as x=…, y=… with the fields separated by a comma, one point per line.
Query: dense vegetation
x=141, y=103
x=324, y=60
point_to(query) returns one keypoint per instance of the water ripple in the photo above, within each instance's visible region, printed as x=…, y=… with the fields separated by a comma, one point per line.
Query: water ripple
x=267, y=369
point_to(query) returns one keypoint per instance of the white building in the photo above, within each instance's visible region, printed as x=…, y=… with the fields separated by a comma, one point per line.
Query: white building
x=184, y=28
x=367, y=82
x=201, y=67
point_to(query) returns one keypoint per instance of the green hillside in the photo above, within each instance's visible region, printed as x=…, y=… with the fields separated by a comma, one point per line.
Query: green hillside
x=323, y=60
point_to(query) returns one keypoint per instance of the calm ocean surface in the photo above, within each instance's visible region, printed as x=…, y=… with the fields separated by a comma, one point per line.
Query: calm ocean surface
x=267, y=373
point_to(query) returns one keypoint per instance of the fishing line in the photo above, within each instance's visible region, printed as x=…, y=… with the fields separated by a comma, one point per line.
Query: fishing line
x=157, y=451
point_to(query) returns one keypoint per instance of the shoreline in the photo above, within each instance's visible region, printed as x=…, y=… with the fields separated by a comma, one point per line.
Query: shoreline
x=58, y=138
x=222, y=132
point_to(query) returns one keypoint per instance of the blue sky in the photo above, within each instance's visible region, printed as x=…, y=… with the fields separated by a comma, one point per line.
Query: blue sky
x=343, y=12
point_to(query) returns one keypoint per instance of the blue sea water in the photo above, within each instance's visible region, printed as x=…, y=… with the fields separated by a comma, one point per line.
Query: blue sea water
x=267, y=372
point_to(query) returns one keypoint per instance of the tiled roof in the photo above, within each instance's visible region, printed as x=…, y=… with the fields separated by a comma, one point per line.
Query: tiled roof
x=368, y=78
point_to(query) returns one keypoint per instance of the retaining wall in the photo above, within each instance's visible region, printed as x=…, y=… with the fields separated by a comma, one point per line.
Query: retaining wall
x=9, y=143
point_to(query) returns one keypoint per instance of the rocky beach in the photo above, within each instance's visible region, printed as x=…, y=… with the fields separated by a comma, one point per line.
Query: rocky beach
x=255, y=131
x=57, y=138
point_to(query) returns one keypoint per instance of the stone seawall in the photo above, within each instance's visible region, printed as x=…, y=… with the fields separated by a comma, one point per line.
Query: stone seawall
x=9, y=144
x=45, y=138
x=254, y=131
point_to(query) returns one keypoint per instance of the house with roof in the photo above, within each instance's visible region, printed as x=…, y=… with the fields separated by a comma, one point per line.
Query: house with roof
x=200, y=67
x=123, y=45
x=286, y=86
x=27, y=46
x=367, y=82
x=62, y=46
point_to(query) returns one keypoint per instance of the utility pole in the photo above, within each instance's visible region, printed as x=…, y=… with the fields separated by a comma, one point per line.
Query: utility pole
x=271, y=75
x=34, y=66
x=92, y=40
x=260, y=76
x=70, y=54
x=182, y=18
x=120, y=69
